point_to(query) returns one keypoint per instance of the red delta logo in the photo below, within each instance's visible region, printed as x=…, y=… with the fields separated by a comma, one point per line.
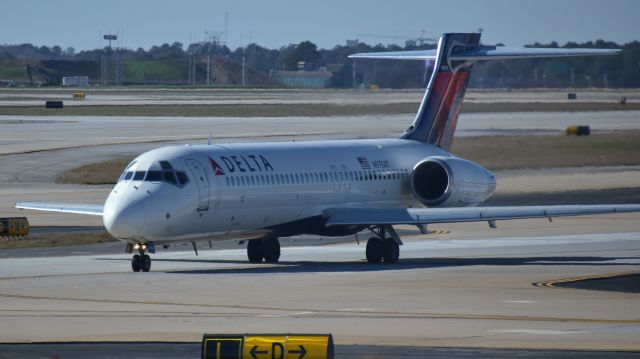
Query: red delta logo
x=216, y=167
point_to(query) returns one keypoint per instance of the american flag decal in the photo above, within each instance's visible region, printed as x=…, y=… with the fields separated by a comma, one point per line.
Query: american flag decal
x=364, y=163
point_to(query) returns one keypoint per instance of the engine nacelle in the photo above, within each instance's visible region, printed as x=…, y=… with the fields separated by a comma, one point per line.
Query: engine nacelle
x=451, y=182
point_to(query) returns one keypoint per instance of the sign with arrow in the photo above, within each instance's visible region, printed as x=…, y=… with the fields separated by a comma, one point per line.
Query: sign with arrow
x=267, y=346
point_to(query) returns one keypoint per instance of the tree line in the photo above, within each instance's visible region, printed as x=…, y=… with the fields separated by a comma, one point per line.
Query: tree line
x=622, y=71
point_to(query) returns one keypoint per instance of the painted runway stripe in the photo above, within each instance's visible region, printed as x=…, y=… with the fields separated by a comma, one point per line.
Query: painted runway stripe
x=554, y=282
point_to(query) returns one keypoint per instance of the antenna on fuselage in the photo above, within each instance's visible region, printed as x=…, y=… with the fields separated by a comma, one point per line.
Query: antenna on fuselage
x=210, y=141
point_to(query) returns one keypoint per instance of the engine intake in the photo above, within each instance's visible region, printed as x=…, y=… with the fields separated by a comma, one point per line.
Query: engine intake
x=451, y=182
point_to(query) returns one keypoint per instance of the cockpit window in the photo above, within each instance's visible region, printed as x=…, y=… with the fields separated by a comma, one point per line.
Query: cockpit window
x=127, y=174
x=165, y=165
x=153, y=176
x=182, y=178
x=167, y=174
x=169, y=177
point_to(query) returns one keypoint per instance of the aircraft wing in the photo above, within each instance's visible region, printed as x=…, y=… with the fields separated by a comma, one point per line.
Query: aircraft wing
x=88, y=209
x=382, y=216
x=486, y=53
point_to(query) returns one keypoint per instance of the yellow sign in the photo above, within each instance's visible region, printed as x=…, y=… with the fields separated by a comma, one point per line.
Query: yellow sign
x=267, y=346
x=14, y=227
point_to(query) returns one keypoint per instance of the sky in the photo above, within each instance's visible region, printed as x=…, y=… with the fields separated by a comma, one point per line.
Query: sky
x=275, y=23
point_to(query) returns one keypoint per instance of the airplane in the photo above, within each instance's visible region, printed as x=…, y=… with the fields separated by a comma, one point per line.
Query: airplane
x=260, y=192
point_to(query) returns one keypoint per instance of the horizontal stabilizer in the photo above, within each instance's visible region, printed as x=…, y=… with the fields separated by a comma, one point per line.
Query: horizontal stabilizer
x=486, y=53
x=88, y=209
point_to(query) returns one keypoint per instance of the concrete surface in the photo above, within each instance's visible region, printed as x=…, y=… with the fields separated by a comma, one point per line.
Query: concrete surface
x=468, y=286
x=17, y=133
x=471, y=287
x=203, y=96
x=155, y=350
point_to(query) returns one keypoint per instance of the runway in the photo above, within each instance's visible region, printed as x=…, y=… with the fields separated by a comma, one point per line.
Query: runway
x=472, y=287
x=80, y=132
x=205, y=96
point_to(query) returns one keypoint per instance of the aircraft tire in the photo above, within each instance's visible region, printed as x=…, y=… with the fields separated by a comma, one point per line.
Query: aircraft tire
x=374, y=250
x=146, y=263
x=136, y=263
x=271, y=250
x=390, y=251
x=255, y=250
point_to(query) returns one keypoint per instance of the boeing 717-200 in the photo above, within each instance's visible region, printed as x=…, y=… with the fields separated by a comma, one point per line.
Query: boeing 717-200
x=260, y=192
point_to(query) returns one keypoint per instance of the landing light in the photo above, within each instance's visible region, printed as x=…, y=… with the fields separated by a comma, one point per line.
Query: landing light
x=139, y=246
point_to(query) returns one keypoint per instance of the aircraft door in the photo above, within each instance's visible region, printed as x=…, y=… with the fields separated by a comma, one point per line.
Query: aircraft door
x=348, y=177
x=337, y=184
x=202, y=182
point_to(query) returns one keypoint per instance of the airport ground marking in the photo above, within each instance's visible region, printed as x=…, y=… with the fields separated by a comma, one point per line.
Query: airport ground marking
x=553, y=283
x=338, y=314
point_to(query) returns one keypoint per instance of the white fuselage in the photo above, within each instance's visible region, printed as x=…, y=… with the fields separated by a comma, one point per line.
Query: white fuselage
x=254, y=190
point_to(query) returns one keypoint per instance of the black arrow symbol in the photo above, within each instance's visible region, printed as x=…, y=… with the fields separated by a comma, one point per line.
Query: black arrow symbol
x=302, y=351
x=254, y=352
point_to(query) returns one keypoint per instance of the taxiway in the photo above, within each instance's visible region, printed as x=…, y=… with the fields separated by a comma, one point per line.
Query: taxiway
x=471, y=287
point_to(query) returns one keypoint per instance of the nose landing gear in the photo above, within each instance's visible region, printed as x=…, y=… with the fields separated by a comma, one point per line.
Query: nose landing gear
x=141, y=261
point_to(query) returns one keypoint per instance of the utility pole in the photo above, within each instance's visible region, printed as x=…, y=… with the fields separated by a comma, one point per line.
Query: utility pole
x=208, y=68
x=211, y=43
x=226, y=27
x=243, y=66
x=353, y=73
x=105, y=60
x=243, y=58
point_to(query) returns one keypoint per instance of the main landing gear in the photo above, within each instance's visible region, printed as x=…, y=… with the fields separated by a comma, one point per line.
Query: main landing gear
x=141, y=261
x=267, y=249
x=381, y=248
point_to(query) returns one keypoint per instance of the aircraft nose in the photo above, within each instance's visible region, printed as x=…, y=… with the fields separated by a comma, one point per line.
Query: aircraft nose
x=124, y=222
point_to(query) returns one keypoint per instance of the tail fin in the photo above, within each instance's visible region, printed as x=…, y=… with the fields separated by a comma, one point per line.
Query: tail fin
x=437, y=117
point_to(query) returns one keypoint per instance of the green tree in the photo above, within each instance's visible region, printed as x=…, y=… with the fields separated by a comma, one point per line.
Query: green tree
x=306, y=51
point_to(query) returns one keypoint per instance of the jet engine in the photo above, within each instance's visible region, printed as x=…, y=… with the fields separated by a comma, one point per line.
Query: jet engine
x=451, y=182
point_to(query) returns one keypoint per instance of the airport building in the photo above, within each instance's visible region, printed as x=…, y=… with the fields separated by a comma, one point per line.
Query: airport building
x=75, y=81
x=307, y=79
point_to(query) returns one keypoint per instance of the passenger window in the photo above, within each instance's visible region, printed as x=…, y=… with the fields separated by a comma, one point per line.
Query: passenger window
x=169, y=177
x=138, y=176
x=182, y=178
